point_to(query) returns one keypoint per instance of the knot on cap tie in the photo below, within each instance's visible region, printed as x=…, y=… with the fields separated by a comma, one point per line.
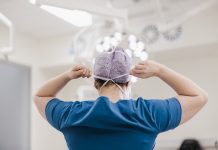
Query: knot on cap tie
x=112, y=79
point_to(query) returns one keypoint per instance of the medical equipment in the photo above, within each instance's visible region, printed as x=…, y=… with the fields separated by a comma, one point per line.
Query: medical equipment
x=6, y=50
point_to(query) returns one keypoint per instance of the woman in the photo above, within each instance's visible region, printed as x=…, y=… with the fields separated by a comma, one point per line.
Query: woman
x=114, y=121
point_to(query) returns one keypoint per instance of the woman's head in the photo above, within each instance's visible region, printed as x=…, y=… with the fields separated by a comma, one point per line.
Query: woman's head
x=112, y=67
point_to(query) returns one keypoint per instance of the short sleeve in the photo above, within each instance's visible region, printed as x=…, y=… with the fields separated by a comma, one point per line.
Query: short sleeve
x=165, y=114
x=56, y=110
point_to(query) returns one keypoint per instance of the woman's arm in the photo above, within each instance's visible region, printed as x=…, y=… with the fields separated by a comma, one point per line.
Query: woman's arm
x=191, y=97
x=50, y=88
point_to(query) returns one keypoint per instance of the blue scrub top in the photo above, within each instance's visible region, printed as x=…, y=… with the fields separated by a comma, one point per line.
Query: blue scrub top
x=103, y=125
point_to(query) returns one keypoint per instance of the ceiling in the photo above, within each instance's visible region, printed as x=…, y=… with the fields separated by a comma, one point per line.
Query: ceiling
x=31, y=20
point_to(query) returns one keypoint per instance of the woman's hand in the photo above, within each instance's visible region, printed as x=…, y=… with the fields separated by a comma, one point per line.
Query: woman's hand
x=146, y=69
x=77, y=72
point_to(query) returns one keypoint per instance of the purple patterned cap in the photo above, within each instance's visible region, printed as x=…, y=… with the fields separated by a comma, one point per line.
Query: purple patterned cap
x=112, y=64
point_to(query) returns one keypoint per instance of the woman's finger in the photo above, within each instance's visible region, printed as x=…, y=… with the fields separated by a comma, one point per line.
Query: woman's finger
x=78, y=67
x=85, y=73
x=143, y=63
x=139, y=67
x=89, y=74
x=78, y=73
x=136, y=71
x=82, y=71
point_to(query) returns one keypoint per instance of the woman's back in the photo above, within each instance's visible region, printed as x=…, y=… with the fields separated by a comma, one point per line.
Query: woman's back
x=101, y=124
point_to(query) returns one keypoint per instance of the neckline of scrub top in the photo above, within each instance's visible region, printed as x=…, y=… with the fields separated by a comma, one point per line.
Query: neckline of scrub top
x=108, y=100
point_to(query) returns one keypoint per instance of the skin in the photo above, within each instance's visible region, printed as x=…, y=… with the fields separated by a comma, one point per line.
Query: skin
x=191, y=97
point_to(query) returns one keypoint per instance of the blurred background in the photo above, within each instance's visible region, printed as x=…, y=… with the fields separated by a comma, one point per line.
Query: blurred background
x=42, y=38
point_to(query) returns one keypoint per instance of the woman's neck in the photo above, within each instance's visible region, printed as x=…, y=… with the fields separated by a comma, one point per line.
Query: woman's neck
x=112, y=92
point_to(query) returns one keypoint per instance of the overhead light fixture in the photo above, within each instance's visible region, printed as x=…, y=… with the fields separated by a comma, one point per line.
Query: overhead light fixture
x=132, y=38
x=118, y=36
x=6, y=50
x=76, y=17
x=129, y=53
x=144, y=55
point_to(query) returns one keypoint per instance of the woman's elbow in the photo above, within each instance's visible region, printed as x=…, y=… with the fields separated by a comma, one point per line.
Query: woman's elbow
x=204, y=98
x=35, y=99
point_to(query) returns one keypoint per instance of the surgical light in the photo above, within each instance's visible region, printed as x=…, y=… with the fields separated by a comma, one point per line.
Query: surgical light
x=132, y=38
x=132, y=45
x=140, y=45
x=129, y=53
x=118, y=36
x=137, y=53
x=106, y=46
x=144, y=55
x=136, y=48
x=114, y=42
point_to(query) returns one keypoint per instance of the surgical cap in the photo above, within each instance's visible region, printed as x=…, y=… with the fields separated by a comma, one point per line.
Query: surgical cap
x=111, y=64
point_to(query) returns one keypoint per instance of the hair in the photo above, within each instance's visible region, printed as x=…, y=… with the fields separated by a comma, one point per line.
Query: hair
x=190, y=144
x=98, y=83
